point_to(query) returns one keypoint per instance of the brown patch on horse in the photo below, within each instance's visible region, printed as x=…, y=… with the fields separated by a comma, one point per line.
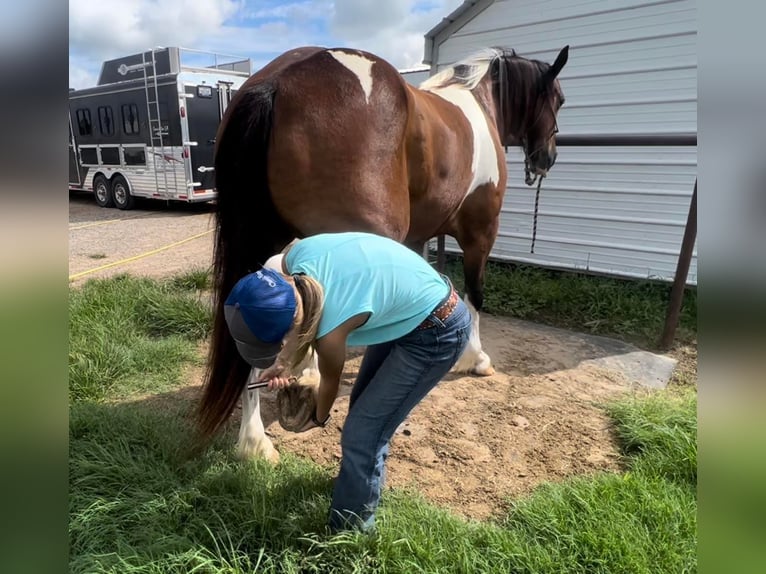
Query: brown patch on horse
x=339, y=162
x=267, y=73
x=437, y=133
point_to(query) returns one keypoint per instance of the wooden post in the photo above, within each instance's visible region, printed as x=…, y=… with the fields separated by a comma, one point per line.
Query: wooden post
x=682, y=271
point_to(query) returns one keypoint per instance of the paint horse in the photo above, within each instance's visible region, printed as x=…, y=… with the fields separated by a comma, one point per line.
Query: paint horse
x=330, y=140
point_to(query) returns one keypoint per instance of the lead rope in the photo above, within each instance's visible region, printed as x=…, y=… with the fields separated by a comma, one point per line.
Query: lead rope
x=534, y=223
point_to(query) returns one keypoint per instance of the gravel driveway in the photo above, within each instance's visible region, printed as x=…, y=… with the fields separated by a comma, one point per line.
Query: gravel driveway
x=124, y=240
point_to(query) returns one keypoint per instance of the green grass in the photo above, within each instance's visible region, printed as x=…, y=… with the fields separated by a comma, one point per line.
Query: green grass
x=661, y=432
x=629, y=309
x=140, y=503
x=142, y=499
x=131, y=335
x=199, y=279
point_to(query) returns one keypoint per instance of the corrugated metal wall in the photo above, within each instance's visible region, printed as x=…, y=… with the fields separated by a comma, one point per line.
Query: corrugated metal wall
x=415, y=77
x=632, y=70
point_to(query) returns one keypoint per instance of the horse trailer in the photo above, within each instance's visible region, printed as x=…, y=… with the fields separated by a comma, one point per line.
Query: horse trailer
x=148, y=128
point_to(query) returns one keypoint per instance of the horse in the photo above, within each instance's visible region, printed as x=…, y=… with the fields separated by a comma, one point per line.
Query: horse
x=329, y=140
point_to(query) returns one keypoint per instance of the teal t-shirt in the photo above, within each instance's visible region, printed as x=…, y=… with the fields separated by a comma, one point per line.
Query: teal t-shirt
x=365, y=273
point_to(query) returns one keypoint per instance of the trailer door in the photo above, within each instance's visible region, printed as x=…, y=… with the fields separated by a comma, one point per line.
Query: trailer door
x=203, y=120
x=76, y=172
x=224, y=96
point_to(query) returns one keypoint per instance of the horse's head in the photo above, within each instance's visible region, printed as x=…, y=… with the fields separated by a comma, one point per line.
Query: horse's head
x=528, y=96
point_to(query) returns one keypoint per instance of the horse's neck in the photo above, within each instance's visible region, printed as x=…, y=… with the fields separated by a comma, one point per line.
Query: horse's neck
x=435, y=114
x=443, y=169
x=466, y=100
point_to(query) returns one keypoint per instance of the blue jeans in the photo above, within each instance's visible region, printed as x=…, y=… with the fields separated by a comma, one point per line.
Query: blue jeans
x=393, y=378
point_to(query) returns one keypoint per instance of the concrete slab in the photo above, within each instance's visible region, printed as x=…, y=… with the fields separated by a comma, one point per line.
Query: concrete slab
x=523, y=348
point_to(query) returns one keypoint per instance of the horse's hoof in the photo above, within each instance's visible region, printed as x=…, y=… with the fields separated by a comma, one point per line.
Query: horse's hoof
x=249, y=450
x=483, y=367
x=296, y=405
x=273, y=456
x=483, y=372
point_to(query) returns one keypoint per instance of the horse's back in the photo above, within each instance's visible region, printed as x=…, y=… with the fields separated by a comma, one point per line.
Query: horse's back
x=354, y=147
x=337, y=154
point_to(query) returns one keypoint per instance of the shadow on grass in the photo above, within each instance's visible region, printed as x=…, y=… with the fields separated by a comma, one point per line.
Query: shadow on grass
x=143, y=500
x=141, y=489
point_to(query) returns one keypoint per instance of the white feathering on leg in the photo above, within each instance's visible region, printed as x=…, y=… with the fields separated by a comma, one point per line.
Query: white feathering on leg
x=474, y=359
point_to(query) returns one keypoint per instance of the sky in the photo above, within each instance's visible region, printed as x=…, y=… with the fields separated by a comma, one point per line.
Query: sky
x=259, y=29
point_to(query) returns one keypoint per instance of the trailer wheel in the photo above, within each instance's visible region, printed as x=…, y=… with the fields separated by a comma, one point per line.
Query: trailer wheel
x=121, y=193
x=102, y=192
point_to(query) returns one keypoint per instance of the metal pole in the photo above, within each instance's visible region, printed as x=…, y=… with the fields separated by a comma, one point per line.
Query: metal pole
x=440, y=256
x=609, y=140
x=682, y=271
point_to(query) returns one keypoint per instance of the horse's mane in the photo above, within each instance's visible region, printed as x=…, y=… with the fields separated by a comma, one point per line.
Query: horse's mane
x=515, y=79
x=469, y=71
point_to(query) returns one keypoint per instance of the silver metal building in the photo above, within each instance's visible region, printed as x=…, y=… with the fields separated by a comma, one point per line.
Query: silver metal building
x=632, y=70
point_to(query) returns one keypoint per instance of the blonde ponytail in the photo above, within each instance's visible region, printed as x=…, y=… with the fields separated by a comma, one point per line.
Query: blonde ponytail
x=312, y=298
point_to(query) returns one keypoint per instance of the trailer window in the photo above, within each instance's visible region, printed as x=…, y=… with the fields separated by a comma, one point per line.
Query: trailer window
x=110, y=155
x=84, y=126
x=130, y=118
x=106, y=120
x=134, y=156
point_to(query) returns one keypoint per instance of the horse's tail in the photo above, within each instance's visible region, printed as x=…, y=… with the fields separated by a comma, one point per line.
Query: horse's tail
x=248, y=231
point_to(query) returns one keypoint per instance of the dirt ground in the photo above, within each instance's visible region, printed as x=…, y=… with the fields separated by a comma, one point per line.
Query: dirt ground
x=473, y=442
x=101, y=237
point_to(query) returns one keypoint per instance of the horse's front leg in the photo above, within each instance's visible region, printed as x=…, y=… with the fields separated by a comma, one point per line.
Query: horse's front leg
x=253, y=442
x=476, y=243
x=474, y=359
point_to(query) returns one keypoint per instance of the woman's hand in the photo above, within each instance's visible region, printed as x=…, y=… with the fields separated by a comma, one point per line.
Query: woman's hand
x=280, y=383
x=275, y=377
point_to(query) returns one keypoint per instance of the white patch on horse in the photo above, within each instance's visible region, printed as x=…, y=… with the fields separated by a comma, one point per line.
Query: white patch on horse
x=275, y=262
x=253, y=442
x=360, y=66
x=473, y=358
x=484, y=163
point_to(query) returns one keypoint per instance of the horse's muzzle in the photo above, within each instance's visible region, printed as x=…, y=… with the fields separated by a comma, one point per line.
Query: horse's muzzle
x=541, y=161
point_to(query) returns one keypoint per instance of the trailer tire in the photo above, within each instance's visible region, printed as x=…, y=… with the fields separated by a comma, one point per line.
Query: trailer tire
x=102, y=191
x=121, y=193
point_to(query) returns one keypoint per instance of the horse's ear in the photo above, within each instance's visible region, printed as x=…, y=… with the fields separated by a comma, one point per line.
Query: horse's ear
x=561, y=59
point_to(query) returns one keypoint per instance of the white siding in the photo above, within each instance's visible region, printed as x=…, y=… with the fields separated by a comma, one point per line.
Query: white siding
x=632, y=69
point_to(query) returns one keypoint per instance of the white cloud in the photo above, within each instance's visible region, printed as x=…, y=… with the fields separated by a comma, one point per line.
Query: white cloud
x=393, y=30
x=113, y=27
x=81, y=76
x=301, y=11
x=272, y=37
x=356, y=19
x=103, y=29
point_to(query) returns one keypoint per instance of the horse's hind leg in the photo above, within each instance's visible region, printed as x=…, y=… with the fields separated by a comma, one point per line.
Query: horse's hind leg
x=476, y=242
x=253, y=442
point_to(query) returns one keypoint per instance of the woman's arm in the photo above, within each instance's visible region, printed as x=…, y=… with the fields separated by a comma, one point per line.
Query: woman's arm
x=331, y=355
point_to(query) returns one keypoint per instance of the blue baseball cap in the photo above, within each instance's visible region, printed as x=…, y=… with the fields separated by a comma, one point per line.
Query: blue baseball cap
x=259, y=312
